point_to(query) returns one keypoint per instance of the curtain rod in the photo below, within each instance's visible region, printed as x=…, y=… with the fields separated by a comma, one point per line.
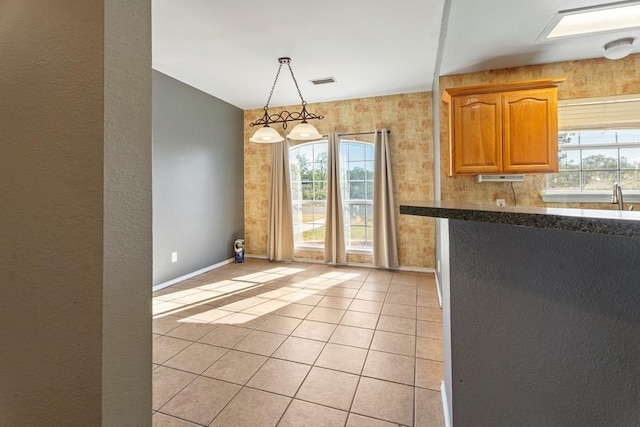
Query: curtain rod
x=359, y=133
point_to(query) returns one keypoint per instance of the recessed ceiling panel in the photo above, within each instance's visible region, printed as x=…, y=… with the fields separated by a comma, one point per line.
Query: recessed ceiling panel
x=599, y=19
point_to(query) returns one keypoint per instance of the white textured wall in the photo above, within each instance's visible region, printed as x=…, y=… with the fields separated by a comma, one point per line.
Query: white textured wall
x=51, y=134
x=127, y=285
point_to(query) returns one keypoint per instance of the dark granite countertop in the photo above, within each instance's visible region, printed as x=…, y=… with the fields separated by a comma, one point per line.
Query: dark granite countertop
x=610, y=222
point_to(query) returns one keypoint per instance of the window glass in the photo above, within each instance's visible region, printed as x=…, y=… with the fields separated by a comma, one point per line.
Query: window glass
x=592, y=160
x=630, y=179
x=598, y=180
x=630, y=158
x=357, y=195
x=596, y=137
x=356, y=151
x=308, y=163
x=629, y=136
x=309, y=192
x=569, y=160
x=564, y=180
x=600, y=159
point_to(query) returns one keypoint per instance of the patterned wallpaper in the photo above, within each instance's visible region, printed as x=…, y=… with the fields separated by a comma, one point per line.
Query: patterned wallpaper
x=586, y=78
x=408, y=117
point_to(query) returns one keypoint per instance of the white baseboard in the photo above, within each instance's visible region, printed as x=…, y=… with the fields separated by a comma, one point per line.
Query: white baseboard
x=416, y=269
x=230, y=260
x=190, y=275
x=309, y=261
x=445, y=405
x=373, y=267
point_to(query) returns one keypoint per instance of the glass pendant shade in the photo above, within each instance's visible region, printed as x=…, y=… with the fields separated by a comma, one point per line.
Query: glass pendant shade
x=304, y=132
x=266, y=135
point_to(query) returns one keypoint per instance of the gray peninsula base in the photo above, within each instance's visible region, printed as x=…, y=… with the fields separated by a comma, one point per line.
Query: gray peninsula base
x=544, y=327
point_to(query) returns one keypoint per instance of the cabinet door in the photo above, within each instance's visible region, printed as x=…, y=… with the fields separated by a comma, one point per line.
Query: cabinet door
x=530, y=138
x=476, y=138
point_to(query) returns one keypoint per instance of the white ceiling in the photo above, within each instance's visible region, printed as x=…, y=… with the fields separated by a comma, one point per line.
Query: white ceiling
x=229, y=49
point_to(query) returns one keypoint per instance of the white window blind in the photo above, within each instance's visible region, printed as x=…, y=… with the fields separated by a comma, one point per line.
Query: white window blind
x=612, y=112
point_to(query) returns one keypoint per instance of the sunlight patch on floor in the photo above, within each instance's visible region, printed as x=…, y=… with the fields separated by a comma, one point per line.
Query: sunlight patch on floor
x=247, y=297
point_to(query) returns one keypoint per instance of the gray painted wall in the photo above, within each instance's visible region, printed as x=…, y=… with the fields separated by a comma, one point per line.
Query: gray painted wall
x=545, y=327
x=198, y=179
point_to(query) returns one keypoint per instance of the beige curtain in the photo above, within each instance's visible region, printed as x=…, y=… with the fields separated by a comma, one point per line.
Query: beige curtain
x=385, y=246
x=280, y=219
x=334, y=244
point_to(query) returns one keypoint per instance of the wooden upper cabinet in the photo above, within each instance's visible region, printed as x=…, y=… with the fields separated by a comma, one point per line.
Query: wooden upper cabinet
x=505, y=128
x=530, y=137
x=478, y=130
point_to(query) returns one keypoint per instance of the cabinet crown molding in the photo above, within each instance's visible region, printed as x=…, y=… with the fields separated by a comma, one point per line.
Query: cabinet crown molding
x=501, y=87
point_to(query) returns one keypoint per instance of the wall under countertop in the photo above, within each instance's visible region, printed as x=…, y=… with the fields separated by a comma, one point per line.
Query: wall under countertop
x=544, y=327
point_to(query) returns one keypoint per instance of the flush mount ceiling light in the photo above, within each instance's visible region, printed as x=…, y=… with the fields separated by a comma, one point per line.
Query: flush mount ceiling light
x=618, y=49
x=596, y=19
x=303, y=131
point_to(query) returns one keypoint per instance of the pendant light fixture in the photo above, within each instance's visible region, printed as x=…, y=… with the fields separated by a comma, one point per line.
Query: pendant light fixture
x=301, y=132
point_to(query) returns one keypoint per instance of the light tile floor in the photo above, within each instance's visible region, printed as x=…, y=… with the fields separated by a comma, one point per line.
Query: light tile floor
x=298, y=344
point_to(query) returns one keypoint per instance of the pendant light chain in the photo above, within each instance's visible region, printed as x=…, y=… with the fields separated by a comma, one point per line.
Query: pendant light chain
x=296, y=83
x=275, y=81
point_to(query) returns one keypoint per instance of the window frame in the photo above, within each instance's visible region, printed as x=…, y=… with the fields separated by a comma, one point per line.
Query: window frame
x=347, y=203
x=591, y=196
x=615, y=113
x=305, y=246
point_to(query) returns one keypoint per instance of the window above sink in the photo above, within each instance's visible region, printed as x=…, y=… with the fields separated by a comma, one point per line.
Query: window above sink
x=598, y=145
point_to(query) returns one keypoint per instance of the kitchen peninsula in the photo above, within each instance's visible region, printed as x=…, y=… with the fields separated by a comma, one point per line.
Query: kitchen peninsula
x=541, y=314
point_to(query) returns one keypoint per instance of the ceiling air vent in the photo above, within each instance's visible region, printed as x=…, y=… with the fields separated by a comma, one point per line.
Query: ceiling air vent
x=323, y=81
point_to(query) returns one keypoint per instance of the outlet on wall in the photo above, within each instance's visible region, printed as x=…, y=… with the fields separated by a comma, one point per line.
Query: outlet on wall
x=174, y=256
x=500, y=202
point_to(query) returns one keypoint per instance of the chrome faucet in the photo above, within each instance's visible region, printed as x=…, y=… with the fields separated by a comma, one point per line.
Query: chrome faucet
x=616, y=198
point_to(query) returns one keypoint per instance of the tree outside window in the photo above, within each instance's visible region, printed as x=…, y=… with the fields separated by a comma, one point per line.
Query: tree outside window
x=309, y=192
x=595, y=159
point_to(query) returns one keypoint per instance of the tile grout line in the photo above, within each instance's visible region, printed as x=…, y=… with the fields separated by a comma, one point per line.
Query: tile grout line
x=251, y=377
x=306, y=376
x=266, y=361
x=183, y=419
x=322, y=293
